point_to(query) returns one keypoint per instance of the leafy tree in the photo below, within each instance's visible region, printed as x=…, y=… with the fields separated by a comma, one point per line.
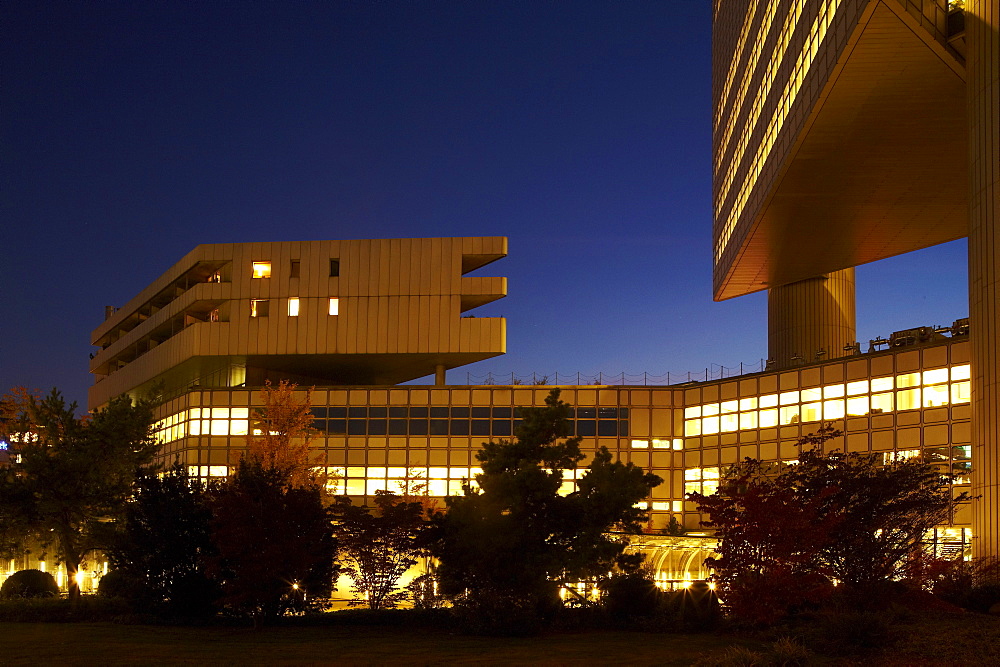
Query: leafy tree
x=788, y=531
x=274, y=544
x=163, y=541
x=377, y=548
x=282, y=435
x=271, y=524
x=74, y=473
x=513, y=540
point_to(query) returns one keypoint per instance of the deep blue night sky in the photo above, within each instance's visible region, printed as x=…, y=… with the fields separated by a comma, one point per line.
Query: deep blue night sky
x=131, y=132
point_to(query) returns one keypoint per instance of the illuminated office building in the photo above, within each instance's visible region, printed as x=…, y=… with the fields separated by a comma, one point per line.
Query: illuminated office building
x=848, y=131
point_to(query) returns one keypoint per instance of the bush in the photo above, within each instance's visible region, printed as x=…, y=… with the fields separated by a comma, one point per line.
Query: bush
x=29, y=584
x=695, y=607
x=853, y=633
x=630, y=595
x=117, y=584
x=498, y=616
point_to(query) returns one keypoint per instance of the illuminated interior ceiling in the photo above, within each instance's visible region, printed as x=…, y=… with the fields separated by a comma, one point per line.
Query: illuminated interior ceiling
x=879, y=169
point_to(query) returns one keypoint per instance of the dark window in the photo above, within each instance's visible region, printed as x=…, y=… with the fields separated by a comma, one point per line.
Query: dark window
x=376, y=427
x=334, y=268
x=356, y=427
x=586, y=427
x=357, y=413
x=501, y=413
x=439, y=427
x=517, y=424
x=418, y=413
x=459, y=427
x=418, y=427
x=397, y=427
x=439, y=413
x=338, y=413
x=319, y=413
x=480, y=427
x=320, y=425
x=501, y=427
x=623, y=429
x=259, y=307
x=377, y=413
x=460, y=413
x=480, y=413
x=296, y=268
x=607, y=427
x=586, y=413
x=623, y=413
x=397, y=413
x=336, y=426
x=607, y=413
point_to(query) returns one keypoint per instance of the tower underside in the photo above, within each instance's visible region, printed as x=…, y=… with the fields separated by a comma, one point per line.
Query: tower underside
x=811, y=320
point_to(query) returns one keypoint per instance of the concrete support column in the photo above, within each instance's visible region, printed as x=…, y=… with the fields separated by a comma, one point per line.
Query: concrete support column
x=982, y=18
x=811, y=315
x=439, y=380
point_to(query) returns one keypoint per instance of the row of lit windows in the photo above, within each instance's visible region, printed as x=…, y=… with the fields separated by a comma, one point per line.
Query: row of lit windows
x=817, y=33
x=454, y=412
x=835, y=401
x=465, y=427
x=262, y=307
x=262, y=269
x=737, y=57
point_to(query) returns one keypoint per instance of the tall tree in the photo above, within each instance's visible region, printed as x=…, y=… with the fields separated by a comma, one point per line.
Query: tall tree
x=73, y=474
x=163, y=541
x=515, y=538
x=378, y=545
x=271, y=524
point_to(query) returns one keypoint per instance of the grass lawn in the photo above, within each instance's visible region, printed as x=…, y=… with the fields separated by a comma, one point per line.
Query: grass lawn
x=111, y=644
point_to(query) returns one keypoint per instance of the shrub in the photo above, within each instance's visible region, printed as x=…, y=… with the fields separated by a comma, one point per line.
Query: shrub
x=629, y=595
x=29, y=584
x=118, y=584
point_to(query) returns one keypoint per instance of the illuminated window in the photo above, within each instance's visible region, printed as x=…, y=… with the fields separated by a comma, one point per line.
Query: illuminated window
x=258, y=307
x=908, y=399
x=882, y=403
x=661, y=444
x=640, y=444
x=789, y=397
x=790, y=414
x=768, y=418
x=809, y=395
x=262, y=269
x=908, y=380
x=811, y=412
x=859, y=387
x=748, y=403
x=213, y=315
x=677, y=443
x=769, y=401
x=710, y=425
x=833, y=391
x=334, y=306
x=857, y=406
x=710, y=409
x=833, y=409
x=961, y=392
x=960, y=372
x=881, y=384
x=692, y=412
x=935, y=396
x=936, y=376
x=729, y=406
x=729, y=423
x=748, y=420
x=334, y=268
x=293, y=306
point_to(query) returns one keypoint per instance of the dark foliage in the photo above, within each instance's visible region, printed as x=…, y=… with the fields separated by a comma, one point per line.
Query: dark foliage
x=506, y=547
x=74, y=473
x=274, y=544
x=378, y=547
x=120, y=585
x=29, y=584
x=788, y=532
x=163, y=543
x=972, y=585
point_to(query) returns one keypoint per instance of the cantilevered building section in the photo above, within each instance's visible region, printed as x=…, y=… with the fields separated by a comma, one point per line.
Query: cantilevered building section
x=318, y=313
x=848, y=131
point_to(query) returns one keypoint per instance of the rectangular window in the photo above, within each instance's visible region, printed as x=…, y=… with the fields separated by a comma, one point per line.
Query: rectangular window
x=729, y=406
x=692, y=427
x=857, y=407
x=908, y=399
x=859, y=387
x=295, y=269
x=908, y=380
x=881, y=384
x=768, y=418
x=935, y=396
x=293, y=306
x=790, y=415
x=262, y=269
x=960, y=392
x=881, y=403
x=811, y=412
x=334, y=306
x=748, y=420
x=936, y=376
x=769, y=401
x=833, y=409
x=960, y=372
x=258, y=307
x=334, y=268
x=729, y=423
x=748, y=403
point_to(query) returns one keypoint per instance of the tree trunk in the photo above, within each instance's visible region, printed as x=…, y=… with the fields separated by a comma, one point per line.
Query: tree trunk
x=72, y=559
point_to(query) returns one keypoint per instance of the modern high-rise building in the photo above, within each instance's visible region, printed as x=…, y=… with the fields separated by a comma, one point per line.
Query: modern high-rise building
x=848, y=131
